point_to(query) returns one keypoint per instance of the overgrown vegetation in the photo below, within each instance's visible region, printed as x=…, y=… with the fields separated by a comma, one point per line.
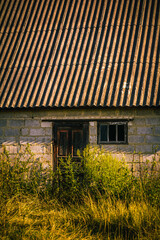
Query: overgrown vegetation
x=97, y=198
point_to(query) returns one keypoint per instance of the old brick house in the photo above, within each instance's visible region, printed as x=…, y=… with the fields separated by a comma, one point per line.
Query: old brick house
x=77, y=72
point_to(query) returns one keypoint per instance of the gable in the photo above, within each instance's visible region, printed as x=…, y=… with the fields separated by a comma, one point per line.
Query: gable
x=80, y=53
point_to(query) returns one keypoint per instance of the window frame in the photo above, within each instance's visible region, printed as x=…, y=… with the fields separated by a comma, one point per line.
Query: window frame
x=113, y=122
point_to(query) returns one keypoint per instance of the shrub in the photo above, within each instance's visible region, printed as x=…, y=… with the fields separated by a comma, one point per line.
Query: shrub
x=23, y=174
x=98, y=172
x=104, y=172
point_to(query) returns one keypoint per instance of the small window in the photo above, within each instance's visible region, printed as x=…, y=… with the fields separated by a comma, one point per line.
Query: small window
x=112, y=132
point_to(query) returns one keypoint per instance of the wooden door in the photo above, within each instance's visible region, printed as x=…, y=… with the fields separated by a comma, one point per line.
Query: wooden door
x=69, y=138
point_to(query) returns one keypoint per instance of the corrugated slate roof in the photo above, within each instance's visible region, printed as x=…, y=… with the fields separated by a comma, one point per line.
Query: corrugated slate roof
x=74, y=53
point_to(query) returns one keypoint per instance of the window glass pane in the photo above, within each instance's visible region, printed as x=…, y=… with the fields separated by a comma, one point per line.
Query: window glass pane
x=103, y=133
x=121, y=133
x=77, y=142
x=112, y=133
x=63, y=143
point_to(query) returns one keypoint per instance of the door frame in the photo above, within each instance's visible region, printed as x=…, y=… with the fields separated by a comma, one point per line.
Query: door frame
x=71, y=124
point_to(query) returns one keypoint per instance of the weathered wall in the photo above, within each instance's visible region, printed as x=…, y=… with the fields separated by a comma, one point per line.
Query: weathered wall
x=19, y=127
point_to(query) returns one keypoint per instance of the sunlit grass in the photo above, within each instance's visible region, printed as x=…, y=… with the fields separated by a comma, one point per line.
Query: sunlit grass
x=92, y=208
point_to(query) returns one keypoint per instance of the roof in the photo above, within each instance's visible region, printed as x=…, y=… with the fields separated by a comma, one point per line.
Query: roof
x=72, y=53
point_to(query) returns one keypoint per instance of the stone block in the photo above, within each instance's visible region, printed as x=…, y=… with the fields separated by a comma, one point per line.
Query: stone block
x=37, y=149
x=132, y=130
x=25, y=131
x=139, y=121
x=48, y=131
x=110, y=148
x=1, y=132
x=92, y=140
x=157, y=130
x=43, y=139
x=144, y=130
x=93, y=131
x=144, y=148
x=37, y=132
x=25, y=140
x=126, y=148
x=12, y=132
x=153, y=121
x=135, y=139
x=16, y=123
x=8, y=140
x=93, y=124
x=32, y=123
x=156, y=148
x=128, y=157
x=12, y=149
x=3, y=123
x=46, y=124
x=153, y=139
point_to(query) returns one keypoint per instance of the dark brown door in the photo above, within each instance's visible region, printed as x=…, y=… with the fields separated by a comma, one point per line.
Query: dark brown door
x=69, y=139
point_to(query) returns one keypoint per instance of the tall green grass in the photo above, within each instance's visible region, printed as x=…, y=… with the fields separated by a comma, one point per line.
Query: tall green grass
x=95, y=199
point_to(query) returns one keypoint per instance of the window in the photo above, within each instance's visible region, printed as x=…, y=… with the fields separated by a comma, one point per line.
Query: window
x=112, y=132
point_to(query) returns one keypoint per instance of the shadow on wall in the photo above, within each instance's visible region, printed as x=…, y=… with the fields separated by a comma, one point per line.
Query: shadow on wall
x=42, y=150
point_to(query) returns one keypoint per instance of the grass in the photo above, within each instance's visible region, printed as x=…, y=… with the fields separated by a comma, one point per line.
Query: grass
x=87, y=205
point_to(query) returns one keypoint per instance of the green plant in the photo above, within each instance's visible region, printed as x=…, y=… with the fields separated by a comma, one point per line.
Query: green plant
x=23, y=174
x=105, y=173
x=103, y=200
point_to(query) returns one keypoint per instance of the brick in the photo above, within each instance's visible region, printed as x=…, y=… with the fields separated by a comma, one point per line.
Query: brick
x=37, y=149
x=157, y=130
x=11, y=131
x=135, y=139
x=1, y=131
x=32, y=123
x=43, y=139
x=126, y=148
x=16, y=123
x=156, y=148
x=92, y=124
x=3, y=123
x=92, y=140
x=153, y=139
x=48, y=131
x=46, y=124
x=8, y=140
x=153, y=121
x=144, y=148
x=12, y=149
x=25, y=131
x=25, y=140
x=144, y=130
x=128, y=157
x=37, y=132
x=132, y=130
x=110, y=148
x=139, y=121
x=93, y=131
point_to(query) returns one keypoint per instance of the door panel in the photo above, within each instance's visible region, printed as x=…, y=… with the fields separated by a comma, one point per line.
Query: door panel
x=68, y=139
x=62, y=138
x=77, y=142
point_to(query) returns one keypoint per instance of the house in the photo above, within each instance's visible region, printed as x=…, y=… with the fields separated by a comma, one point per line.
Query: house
x=78, y=72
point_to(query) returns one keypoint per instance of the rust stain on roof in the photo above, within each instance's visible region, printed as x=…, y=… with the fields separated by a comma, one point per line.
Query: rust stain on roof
x=69, y=53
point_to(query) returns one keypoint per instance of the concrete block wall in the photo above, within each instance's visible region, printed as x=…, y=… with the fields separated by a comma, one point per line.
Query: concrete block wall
x=18, y=131
x=19, y=127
